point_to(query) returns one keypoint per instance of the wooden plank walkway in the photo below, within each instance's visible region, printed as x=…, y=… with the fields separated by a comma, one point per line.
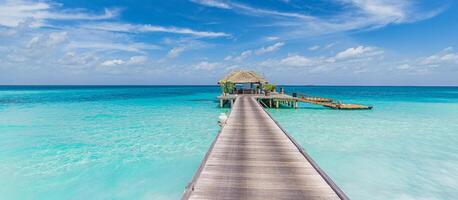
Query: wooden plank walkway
x=254, y=158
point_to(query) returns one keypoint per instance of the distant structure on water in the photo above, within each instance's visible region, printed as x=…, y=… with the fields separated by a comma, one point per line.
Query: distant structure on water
x=249, y=82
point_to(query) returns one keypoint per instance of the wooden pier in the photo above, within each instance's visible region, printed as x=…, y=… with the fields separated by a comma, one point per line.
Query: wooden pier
x=275, y=100
x=252, y=157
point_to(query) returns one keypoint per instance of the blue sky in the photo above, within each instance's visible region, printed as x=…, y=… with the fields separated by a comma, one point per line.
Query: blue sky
x=320, y=42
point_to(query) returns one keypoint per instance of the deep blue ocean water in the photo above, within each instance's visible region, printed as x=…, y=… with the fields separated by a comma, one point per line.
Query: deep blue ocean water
x=145, y=142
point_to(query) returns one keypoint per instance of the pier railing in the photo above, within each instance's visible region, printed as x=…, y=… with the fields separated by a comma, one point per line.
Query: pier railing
x=311, y=98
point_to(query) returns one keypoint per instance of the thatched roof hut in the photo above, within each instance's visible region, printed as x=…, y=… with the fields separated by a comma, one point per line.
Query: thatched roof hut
x=241, y=77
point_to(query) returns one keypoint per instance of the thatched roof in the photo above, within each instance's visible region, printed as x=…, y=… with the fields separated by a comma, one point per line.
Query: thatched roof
x=243, y=77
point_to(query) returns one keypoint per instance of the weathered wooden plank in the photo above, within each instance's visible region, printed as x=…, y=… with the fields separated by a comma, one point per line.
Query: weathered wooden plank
x=253, y=158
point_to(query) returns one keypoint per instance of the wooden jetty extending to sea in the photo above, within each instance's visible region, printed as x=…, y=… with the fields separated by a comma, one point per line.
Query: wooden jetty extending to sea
x=276, y=100
x=254, y=158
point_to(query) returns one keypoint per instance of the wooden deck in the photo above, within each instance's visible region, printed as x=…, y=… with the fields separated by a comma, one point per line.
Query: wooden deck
x=254, y=158
x=333, y=105
x=275, y=99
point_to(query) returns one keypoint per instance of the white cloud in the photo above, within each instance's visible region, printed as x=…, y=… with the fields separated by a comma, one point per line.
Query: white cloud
x=314, y=48
x=248, y=10
x=34, y=41
x=176, y=51
x=446, y=56
x=134, y=60
x=106, y=45
x=265, y=12
x=296, y=61
x=113, y=62
x=272, y=38
x=57, y=38
x=207, y=66
x=13, y=13
x=445, y=60
x=404, y=67
x=270, y=48
x=357, y=15
x=228, y=58
x=145, y=28
x=50, y=40
x=330, y=45
x=353, y=60
x=243, y=55
x=81, y=60
x=357, y=52
x=263, y=50
x=212, y=3
x=386, y=10
x=180, y=46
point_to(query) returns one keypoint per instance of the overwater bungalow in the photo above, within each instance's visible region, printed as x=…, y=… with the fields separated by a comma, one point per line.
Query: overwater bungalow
x=243, y=82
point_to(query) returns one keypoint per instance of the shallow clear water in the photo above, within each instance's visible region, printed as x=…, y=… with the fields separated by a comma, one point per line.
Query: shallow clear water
x=146, y=142
x=405, y=148
x=103, y=143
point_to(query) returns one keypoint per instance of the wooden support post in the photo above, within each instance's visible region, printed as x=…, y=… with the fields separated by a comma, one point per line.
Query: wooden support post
x=295, y=104
x=277, y=104
x=270, y=103
x=221, y=103
x=232, y=102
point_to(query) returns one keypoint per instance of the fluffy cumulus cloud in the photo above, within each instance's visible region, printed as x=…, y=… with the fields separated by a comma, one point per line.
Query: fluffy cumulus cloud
x=354, y=60
x=444, y=60
x=260, y=51
x=134, y=60
x=77, y=60
x=404, y=67
x=446, y=57
x=113, y=62
x=49, y=40
x=132, y=65
x=296, y=60
x=358, y=52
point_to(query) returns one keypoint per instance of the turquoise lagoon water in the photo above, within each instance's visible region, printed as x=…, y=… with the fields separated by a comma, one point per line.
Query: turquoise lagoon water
x=147, y=142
